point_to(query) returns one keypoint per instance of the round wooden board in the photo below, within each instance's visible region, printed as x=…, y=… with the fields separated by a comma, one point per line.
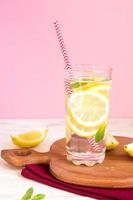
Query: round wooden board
x=115, y=172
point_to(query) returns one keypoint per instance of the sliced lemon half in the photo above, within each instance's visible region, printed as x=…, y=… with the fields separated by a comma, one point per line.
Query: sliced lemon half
x=29, y=139
x=88, y=108
x=82, y=132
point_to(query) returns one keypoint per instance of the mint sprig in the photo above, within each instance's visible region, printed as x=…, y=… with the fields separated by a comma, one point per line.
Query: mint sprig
x=29, y=195
x=77, y=84
x=38, y=197
x=100, y=133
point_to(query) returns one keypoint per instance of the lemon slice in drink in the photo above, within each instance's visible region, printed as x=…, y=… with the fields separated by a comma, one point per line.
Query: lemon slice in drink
x=29, y=139
x=88, y=108
x=102, y=89
x=96, y=85
x=82, y=132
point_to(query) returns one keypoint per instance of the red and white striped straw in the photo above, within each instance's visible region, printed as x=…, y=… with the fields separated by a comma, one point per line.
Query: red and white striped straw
x=95, y=147
x=62, y=46
x=65, y=56
x=67, y=86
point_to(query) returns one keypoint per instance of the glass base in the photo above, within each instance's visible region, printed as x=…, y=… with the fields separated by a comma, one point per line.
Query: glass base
x=88, y=158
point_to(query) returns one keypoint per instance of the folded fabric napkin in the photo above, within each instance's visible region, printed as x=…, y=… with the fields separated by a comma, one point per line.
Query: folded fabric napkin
x=41, y=173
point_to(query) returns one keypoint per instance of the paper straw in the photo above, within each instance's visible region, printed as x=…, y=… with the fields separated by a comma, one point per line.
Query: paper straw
x=65, y=56
x=67, y=87
x=95, y=146
x=62, y=46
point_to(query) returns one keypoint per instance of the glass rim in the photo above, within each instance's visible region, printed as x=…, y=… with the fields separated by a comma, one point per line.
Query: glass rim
x=93, y=67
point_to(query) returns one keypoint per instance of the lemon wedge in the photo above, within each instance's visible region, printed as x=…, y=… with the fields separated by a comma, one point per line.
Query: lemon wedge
x=111, y=142
x=88, y=108
x=29, y=139
x=129, y=149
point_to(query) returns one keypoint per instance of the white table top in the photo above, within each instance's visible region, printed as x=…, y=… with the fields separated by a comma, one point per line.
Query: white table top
x=13, y=185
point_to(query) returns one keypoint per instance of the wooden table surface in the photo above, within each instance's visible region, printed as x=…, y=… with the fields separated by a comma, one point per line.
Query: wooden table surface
x=12, y=184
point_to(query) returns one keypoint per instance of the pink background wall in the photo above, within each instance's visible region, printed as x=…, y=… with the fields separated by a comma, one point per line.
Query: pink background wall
x=31, y=64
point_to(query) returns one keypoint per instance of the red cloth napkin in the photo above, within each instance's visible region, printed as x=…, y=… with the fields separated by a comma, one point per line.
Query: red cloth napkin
x=42, y=174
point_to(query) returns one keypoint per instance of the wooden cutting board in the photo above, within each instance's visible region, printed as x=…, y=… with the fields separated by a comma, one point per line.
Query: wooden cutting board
x=115, y=172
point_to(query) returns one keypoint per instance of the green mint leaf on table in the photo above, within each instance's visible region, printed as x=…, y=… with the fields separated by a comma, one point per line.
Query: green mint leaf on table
x=28, y=194
x=38, y=197
x=100, y=133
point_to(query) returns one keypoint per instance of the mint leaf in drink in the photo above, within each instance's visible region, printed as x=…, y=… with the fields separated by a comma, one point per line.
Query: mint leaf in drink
x=100, y=133
x=77, y=84
x=38, y=197
x=28, y=194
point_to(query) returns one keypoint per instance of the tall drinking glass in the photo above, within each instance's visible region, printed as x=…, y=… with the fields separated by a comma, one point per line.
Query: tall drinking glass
x=87, y=91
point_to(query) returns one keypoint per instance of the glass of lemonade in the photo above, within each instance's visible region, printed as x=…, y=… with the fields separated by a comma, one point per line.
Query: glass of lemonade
x=87, y=106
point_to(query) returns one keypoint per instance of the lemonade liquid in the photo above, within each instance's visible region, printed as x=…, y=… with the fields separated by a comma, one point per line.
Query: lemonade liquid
x=87, y=114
